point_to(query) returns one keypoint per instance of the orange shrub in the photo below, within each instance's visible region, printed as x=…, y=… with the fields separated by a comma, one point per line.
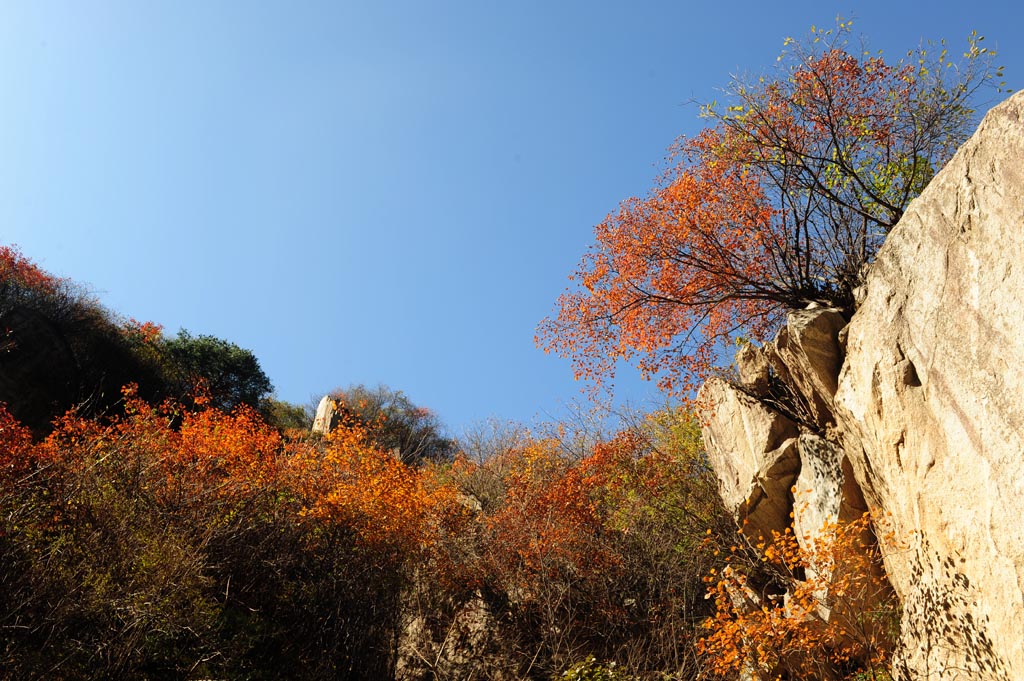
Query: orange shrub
x=15, y=446
x=830, y=612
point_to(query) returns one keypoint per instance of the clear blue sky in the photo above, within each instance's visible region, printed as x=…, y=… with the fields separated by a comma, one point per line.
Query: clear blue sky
x=364, y=192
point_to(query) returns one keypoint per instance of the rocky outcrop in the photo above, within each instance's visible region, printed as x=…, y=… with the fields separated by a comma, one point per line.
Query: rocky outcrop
x=463, y=644
x=826, y=489
x=913, y=411
x=326, y=417
x=807, y=355
x=753, y=449
x=930, y=407
x=764, y=435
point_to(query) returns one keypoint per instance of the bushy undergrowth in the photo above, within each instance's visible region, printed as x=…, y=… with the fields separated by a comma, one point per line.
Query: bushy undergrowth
x=165, y=543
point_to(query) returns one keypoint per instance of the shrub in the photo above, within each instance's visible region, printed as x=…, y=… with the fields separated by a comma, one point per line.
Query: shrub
x=827, y=612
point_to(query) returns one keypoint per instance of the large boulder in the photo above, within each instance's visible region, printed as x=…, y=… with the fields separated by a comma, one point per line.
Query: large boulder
x=929, y=406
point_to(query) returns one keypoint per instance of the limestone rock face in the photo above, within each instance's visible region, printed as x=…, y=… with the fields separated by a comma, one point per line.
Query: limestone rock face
x=807, y=356
x=930, y=406
x=826, y=489
x=753, y=450
x=754, y=370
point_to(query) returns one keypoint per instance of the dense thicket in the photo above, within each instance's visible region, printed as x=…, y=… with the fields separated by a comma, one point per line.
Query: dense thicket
x=162, y=544
x=134, y=547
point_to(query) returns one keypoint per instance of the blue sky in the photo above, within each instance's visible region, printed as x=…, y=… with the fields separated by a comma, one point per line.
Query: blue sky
x=374, y=192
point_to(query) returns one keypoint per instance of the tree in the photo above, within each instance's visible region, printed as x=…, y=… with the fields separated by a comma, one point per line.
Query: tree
x=284, y=415
x=782, y=201
x=60, y=348
x=396, y=424
x=230, y=374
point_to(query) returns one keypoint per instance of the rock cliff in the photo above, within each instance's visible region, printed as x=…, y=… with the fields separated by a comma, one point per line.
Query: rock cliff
x=912, y=410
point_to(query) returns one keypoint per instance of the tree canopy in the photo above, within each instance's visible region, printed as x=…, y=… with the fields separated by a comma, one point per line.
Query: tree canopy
x=783, y=200
x=230, y=374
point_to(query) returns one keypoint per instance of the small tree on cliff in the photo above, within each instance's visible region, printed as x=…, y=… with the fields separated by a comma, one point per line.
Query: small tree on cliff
x=783, y=200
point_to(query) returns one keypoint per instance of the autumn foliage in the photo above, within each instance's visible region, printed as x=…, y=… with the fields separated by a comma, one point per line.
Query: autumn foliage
x=820, y=608
x=19, y=276
x=602, y=554
x=781, y=201
x=148, y=537
x=166, y=542
x=170, y=542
